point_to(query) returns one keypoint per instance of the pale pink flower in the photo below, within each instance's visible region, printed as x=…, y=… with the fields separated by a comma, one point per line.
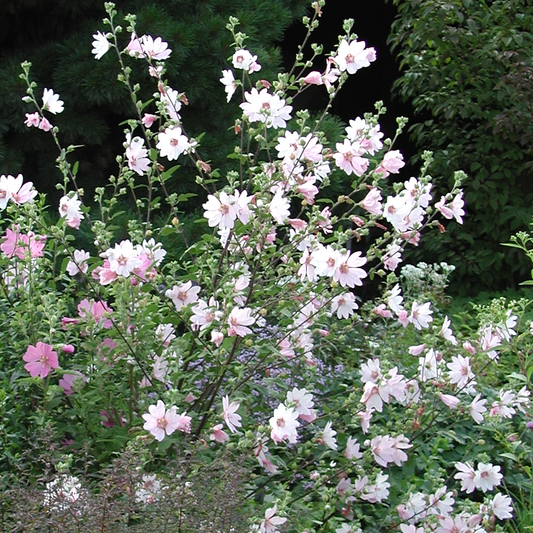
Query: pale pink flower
x=487, y=476
x=243, y=59
x=284, y=424
x=378, y=491
x=123, y=258
x=271, y=521
x=205, y=314
x=160, y=421
x=266, y=108
x=100, y=45
x=238, y=320
x=69, y=208
x=328, y=437
x=502, y=506
x=72, y=382
x=391, y=164
x=372, y=202
x=421, y=315
x=279, y=207
x=137, y=155
x=351, y=56
x=221, y=212
x=79, y=263
x=45, y=125
x=348, y=273
x=465, y=474
x=217, y=337
x=218, y=434
x=51, y=102
x=450, y=401
x=460, y=371
x=173, y=103
x=40, y=360
x=454, y=209
x=392, y=257
x=229, y=413
x=348, y=158
x=477, y=408
x=366, y=417
x=452, y=525
x=371, y=371
x=352, y=449
x=147, y=46
x=344, y=305
x=302, y=401
x=446, y=332
x=183, y=294
x=148, y=119
x=32, y=119
x=417, y=349
x=172, y=143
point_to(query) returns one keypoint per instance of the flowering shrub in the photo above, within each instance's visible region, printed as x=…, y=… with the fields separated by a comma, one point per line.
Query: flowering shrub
x=254, y=347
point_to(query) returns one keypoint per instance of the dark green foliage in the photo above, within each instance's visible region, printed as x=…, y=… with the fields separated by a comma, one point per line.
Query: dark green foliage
x=56, y=37
x=468, y=71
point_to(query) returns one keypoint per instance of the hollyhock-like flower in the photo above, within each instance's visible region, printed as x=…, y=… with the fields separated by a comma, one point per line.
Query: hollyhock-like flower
x=421, y=315
x=72, y=382
x=372, y=202
x=160, y=421
x=502, y=506
x=147, y=46
x=204, y=314
x=391, y=164
x=123, y=258
x=271, y=521
x=137, y=155
x=428, y=366
x=284, y=424
x=218, y=434
x=454, y=209
x=69, y=208
x=352, y=449
x=368, y=136
x=328, y=437
x=267, y=108
x=348, y=273
x=148, y=490
x=32, y=119
x=487, y=476
x=13, y=189
x=450, y=401
x=173, y=102
x=302, y=401
x=79, y=264
x=222, y=211
x=45, y=125
x=344, y=305
x=244, y=60
x=40, y=360
x=100, y=45
x=460, y=371
x=477, y=408
x=238, y=320
x=351, y=56
x=171, y=143
x=279, y=207
x=378, y=491
x=183, y=294
x=348, y=158
x=229, y=413
x=466, y=475
x=393, y=256
x=228, y=80
x=51, y=102
x=446, y=332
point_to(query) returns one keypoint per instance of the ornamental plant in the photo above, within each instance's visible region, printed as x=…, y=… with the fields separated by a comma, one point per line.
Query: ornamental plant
x=246, y=385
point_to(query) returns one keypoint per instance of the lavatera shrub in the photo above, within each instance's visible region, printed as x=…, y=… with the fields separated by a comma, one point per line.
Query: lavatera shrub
x=244, y=384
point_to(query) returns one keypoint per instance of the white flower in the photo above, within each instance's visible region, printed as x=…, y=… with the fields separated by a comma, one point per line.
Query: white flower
x=267, y=108
x=172, y=143
x=502, y=507
x=61, y=492
x=353, y=56
x=487, y=476
x=228, y=80
x=79, y=264
x=284, y=424
x=51, y=102
x=100, y=45
x=344, y=305
x=328, y=436
x=244, y=60
x=123, y=258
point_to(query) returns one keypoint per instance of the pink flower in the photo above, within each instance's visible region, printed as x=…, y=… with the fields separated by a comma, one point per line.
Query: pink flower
x=40, y=359
x=421, y=315
x=183, y=294
x=351, y=56
x=284, y=424
x=32, y=119
x=391, y=164
x=218, y=434
x=244, y=60
x=238, y=320
x=229, y=413
x=348, y=273
x=72, y=382
x=348, y=158
x=137, y=155
x=160, y=421
x=466, y=475
x=45, y=124
x=172, y=143
x=266, y=108
x=268, y=525
x=148, y=119
x=454, y=209
x=372, y=202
